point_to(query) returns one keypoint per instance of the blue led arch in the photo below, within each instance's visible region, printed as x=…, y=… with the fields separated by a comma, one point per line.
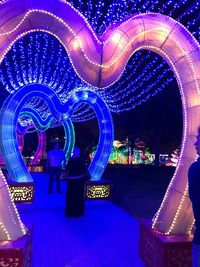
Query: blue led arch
x=43, y=124
x=22, y=130
x=69, y=138
x=61, y=112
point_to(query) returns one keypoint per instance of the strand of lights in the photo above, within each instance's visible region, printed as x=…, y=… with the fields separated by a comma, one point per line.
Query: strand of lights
x=32, y=40
x=12, y=209
x=167, y=81
x=182, y=147
x=191, y=228
x=178, y=211
x=179, y=10
x=4, y=230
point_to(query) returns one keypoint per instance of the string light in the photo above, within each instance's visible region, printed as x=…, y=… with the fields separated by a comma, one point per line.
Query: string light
x=119, y=101
x=10, y=220
x=95, y=14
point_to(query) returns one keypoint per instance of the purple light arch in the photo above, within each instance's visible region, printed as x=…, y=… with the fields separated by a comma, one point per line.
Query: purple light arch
x=100, y=62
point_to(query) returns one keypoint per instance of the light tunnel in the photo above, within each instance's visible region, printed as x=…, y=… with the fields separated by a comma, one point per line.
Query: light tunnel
x=61, y=112
x=10, y=151
x=100, y=62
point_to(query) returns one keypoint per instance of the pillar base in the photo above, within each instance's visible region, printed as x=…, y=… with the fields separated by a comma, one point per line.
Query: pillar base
x=22, y=192
x=16, y=253
x=101, y=189
x=158, y=250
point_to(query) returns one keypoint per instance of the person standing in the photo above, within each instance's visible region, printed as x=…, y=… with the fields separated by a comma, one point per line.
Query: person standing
x=77, y=175
x=55, y=158
x=194, y=194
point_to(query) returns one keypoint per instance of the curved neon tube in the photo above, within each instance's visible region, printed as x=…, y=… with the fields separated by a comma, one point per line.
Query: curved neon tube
x=42, y=125
x=61, y=112
x=69, y=138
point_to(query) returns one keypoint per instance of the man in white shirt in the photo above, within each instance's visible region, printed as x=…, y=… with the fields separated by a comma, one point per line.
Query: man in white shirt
x=55, y=158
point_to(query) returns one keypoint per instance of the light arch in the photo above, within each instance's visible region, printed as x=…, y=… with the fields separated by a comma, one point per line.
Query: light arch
x=17, y=169
x=95, y=64
x=42, y=126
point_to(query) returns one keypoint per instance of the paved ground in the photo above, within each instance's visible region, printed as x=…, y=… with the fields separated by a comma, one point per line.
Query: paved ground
x=106, y=236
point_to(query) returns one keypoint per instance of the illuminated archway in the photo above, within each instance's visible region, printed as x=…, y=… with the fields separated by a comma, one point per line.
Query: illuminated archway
x=11, y=110
x=69, y=138
x=41, y=143
x=13, y=160
x=41, y=126
x=100, y=62
x=20, y=139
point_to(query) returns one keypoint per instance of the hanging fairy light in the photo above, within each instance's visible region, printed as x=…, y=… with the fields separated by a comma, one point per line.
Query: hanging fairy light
x=40, y=58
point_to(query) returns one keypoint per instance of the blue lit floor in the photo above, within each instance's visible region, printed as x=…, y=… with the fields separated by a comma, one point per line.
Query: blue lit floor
x=106, y=236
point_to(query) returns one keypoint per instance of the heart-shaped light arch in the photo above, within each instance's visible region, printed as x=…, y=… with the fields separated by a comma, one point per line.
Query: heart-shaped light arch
x=16, y=167
x=12, y=108
x=100, y=62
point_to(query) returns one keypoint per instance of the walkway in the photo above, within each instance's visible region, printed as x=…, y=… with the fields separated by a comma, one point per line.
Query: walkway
x=106, y=236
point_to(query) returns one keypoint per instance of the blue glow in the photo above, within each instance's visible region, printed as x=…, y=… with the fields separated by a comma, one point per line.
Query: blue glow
x=42, y=125
x=11, y=111
x=69, y=138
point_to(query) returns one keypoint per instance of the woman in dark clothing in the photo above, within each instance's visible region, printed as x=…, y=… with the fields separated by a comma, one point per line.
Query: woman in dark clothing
x=77, y=175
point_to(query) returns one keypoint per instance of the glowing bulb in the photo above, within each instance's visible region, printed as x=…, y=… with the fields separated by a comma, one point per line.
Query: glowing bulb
x=116, y=37
x=76, y=44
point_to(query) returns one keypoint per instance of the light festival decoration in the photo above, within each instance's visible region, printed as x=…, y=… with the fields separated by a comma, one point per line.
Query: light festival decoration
x=139, y=81
x=20, y=140
x=40, y=148
x=69, y=138
x=42, y=125
x=41, y=143
x=12, y=109
x=96, y=65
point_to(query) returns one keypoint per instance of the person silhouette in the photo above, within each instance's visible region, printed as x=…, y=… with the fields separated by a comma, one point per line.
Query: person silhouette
x=55, y=158
x=77, y=175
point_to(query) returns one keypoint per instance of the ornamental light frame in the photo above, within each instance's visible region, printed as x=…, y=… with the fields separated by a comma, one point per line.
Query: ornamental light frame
x=96, y=65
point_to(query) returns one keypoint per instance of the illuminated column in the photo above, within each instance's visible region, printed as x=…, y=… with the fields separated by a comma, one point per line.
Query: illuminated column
x=177, y=46
x=11, y=227
x=69, y=138
x=20, y=140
